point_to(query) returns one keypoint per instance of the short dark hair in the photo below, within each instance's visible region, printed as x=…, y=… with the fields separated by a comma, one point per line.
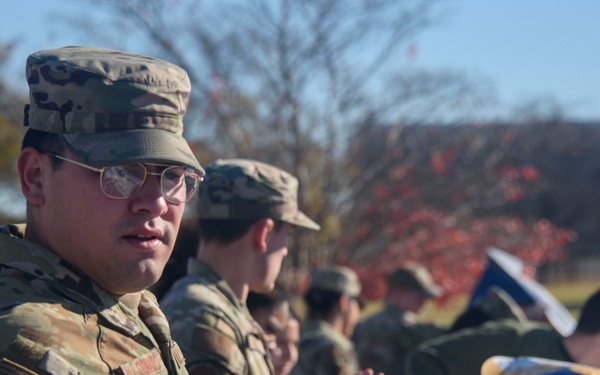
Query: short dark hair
x=269, y=301
x=588, y=318
x=321, y=302
x=226, y=231
x=44, y=142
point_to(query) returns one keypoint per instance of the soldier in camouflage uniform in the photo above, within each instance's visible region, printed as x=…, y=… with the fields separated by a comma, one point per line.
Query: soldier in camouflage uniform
x=383, y=339
x=333, y=311
x=275, y=314
x=99, y=229
x=246, y=210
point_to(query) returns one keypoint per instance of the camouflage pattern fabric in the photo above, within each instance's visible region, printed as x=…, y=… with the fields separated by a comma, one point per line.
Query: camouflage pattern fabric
x=249, y=190
x=55, y=320
x=413, y=276
x=465, y=351
x=324, y=351
x=110, y=107
x=337, y=279
x=383, y=339
x=215, y=330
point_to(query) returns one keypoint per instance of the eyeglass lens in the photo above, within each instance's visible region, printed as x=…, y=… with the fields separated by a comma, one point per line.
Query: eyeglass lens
x=177, y=183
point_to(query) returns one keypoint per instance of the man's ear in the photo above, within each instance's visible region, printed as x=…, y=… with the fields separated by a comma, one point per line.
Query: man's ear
x=31, y=167
x=261, y=230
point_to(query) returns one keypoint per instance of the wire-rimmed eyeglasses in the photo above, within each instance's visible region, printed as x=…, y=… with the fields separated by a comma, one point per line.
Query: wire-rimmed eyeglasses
x=177, y=183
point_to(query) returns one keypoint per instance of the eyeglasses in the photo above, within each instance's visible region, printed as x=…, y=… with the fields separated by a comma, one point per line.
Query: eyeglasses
x=177, y=183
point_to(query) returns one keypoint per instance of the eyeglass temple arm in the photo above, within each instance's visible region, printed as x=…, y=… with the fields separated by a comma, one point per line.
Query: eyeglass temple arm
x=78, y=163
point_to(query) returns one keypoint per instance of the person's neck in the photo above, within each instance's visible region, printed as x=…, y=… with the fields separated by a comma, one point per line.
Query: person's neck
x=230, y=263
x=33, y=233
x=337, y=323
x=583, y=348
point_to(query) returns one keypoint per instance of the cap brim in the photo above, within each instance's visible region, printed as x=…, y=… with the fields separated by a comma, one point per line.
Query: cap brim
x=132, y=146
x=301, y=220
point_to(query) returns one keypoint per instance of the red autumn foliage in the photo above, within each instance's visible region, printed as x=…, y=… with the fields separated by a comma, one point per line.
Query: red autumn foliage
x=432, y=204
x=455, y=253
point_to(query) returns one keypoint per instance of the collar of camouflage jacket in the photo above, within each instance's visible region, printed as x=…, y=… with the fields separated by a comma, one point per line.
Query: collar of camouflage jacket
x=51, y=277
x=199, y=269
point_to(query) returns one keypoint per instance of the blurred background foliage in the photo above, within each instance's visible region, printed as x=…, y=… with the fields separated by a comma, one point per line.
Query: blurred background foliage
x=397, y=163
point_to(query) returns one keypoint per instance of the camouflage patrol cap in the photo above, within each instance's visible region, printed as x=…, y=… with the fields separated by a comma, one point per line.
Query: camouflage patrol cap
x=110, y=107
x=416, y=277
x=249, y=189
x=338, y=279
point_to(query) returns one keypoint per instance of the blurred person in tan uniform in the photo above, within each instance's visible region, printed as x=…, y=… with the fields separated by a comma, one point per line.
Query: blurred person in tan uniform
x=274, y=313
x=383, y=339
x=333, y=311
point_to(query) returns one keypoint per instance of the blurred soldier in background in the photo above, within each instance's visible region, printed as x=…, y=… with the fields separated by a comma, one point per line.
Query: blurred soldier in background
x=333, y=311
x=464, y=351
x=246, y=210
x=274, y=313
x=383, y=339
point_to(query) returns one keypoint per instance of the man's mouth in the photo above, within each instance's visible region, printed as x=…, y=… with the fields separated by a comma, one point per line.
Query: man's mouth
x=146, y=239
x=143, y=237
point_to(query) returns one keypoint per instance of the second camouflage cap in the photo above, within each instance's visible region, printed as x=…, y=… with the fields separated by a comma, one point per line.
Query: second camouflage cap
x=414, y=276
x=110, y=107
x=338, y=279
x=249, y=189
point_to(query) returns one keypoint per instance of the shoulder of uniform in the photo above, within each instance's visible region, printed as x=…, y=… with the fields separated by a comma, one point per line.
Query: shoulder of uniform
x=216, y=341
x=34, y=335
x=40, y=315
x=24, y=354
x=322, y=355
x=219, y=321
x=190, y=292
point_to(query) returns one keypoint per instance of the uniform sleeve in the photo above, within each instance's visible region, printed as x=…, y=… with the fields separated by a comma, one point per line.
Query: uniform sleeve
x=333, y=361
x=27, y=357
x=213, y=349
x=323, y=358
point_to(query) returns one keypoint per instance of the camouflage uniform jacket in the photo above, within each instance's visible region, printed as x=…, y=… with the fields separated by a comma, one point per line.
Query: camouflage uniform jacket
x=215, y=330
x=55, y=320
x=324, y=351
x=383, y=339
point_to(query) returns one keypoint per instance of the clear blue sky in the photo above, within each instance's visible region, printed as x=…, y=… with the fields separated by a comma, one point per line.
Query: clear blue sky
x=526, y=48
